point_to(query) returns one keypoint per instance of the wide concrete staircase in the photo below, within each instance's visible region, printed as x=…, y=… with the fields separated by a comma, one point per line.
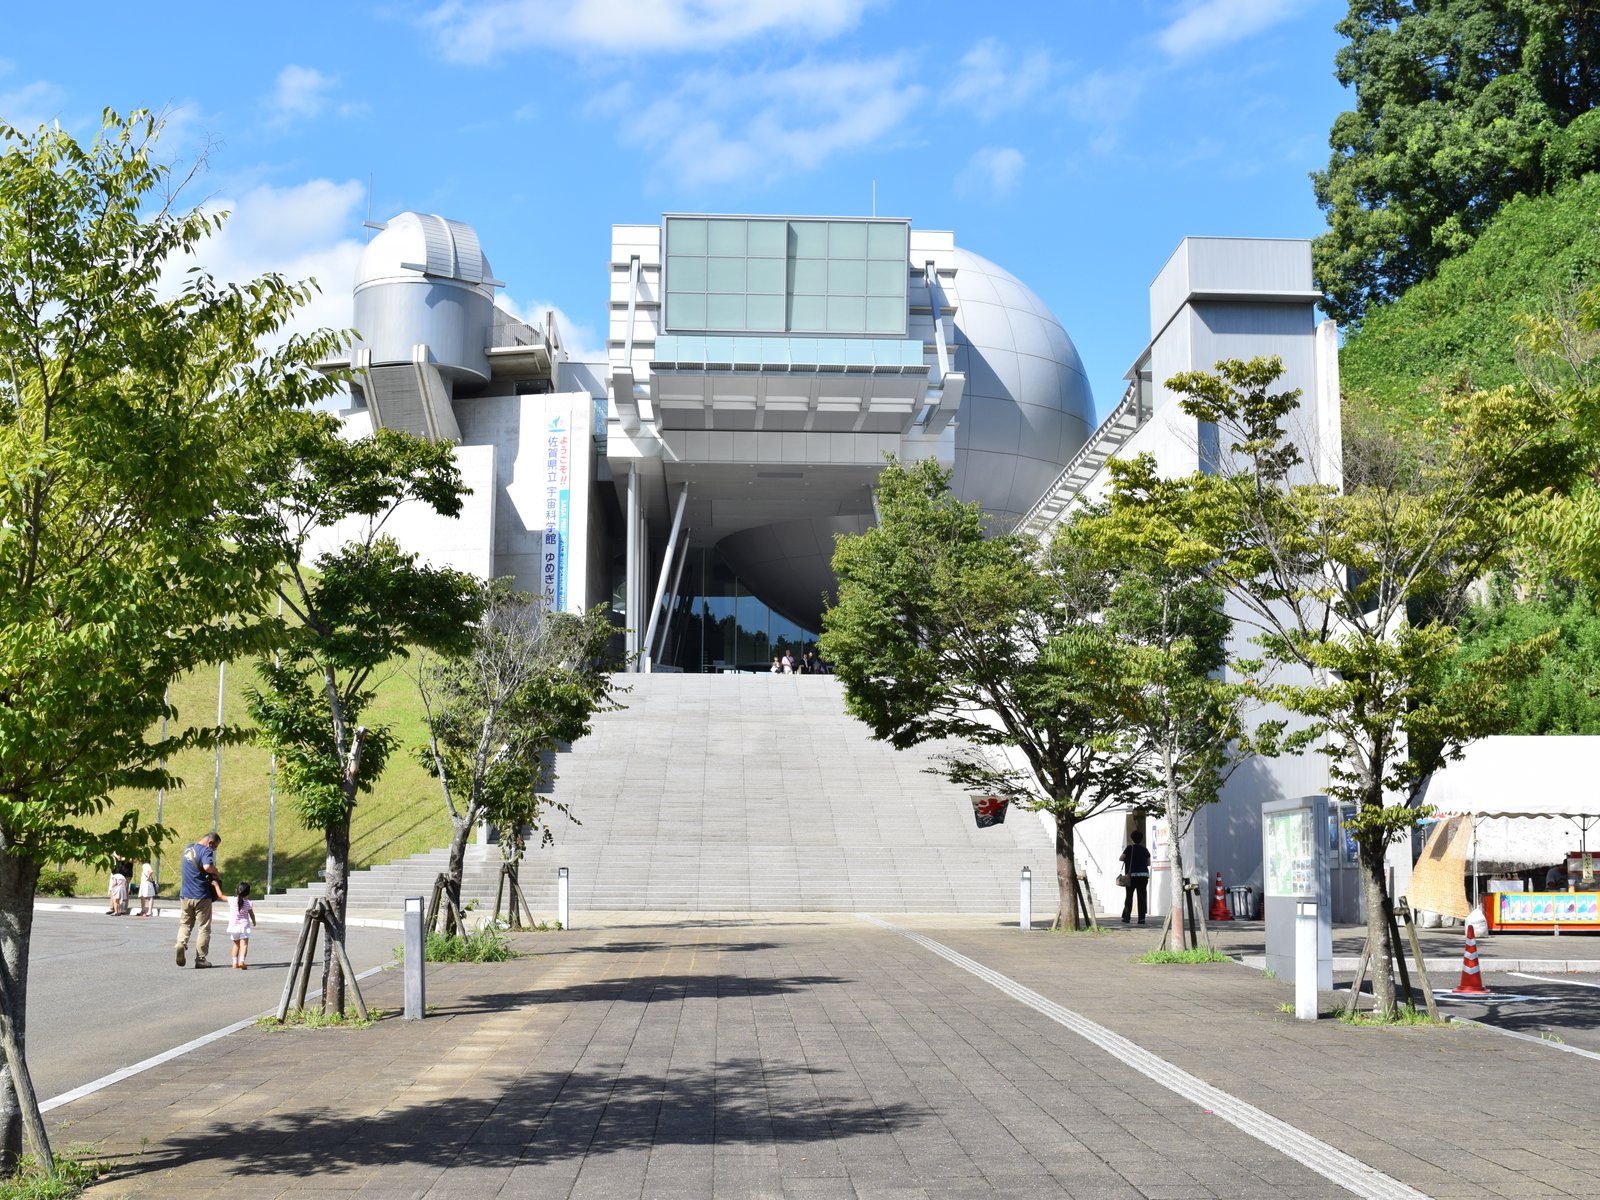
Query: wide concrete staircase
x=751, y=793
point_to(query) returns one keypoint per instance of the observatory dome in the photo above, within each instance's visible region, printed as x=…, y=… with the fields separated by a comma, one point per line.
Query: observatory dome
x=1027, y=407
x=424, y=280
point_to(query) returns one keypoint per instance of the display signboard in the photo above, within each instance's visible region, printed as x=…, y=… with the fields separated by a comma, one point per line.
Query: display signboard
x=557, y=511
x=1300, y=840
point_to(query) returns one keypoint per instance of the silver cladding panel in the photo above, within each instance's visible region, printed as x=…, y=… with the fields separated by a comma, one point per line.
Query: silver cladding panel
x=452, y=319
x=1027, y=406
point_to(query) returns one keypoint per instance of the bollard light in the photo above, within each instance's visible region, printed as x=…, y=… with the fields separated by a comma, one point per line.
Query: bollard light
x=1025, y=901
x=415, y=991
x=1305, y=960
x=561, y=899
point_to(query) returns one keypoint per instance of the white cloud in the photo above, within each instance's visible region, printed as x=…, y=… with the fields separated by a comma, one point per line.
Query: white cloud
x=301, y=93
x=580, y=338
x=301, y=232
x=991, y=80
x=722, y=127
x=33, y=104
x=477, y=32
x=992, y=171
x=1209, y=24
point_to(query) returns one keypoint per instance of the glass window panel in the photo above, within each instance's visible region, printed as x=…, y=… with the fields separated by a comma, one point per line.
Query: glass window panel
x=747, y=350
x=847, y=278
x=847, y=239
x=685, y=274
x=810, y=277
x=765, y=275
x=719, y=349
x=764, y=312
x=808, y=313
x=724, y=274
x=847, y=314
x=725, y=312
x=885, y=315
x=808, y=239
x=767, y=239
x=686, y=236
x=725, y=237
x=886, y=279
x=686, y=310
x=886, y=241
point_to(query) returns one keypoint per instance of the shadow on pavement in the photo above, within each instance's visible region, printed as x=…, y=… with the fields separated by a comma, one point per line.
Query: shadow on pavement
x=653, y=989
x=540, y=1117
x=648, y=948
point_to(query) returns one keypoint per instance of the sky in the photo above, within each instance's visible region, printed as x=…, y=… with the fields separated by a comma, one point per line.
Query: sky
x=1074, y=142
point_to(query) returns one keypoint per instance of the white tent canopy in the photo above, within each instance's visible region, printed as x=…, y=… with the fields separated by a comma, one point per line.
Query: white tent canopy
x=1522, y=777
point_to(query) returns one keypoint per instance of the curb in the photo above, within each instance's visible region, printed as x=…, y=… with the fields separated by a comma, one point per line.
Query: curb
x=262, y=916
x=1548, y=966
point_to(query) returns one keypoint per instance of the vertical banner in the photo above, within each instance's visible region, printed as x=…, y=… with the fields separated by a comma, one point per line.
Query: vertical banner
x=557, y=512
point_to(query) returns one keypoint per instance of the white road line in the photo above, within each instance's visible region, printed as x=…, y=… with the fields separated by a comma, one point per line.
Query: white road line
x=1550, y=979
x=137, y=1068
x=1349, y=1173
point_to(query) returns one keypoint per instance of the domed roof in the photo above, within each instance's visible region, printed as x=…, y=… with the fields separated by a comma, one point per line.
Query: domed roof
x=413, y=245
x=1027, y=407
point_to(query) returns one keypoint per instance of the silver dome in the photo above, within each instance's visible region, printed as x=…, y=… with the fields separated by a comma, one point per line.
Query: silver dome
x=425, y=281
x=1027, y=407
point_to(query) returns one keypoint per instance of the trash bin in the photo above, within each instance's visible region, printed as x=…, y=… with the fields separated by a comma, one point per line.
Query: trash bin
x=1241, y=902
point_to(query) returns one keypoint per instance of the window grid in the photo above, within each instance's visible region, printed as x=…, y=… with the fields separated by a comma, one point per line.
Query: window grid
x=771, y=276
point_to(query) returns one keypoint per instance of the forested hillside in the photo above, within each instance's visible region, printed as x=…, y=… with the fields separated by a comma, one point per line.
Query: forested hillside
x=1459, y=328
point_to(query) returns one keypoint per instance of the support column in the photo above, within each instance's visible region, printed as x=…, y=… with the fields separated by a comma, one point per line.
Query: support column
x=632, y=568
x=666, y=570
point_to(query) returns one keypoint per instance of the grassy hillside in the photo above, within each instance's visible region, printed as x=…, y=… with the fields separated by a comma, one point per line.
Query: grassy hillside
x=1459, y=327
x=405, y=813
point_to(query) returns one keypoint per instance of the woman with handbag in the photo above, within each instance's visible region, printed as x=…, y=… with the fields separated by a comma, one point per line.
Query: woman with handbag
x=1135, y=878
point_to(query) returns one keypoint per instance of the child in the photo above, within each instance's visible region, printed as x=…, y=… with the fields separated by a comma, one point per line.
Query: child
x=241, y=916
x=147, y=890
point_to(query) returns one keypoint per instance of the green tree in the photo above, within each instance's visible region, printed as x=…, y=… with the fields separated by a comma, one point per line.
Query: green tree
x=1358, y=587
x=351, y=611
x=944, y=632
x=1563, y=696
x=1460, y=105
x=1169, y=675
x=128, y=418
x=530, y=680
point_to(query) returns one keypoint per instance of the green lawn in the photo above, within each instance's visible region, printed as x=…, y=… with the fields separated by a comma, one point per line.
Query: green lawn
x=403, y=815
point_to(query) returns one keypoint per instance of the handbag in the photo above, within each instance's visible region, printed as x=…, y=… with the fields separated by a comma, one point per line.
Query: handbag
x=1122, y=881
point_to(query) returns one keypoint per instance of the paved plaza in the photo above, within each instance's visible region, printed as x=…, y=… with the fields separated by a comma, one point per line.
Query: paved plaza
x=810, y=1058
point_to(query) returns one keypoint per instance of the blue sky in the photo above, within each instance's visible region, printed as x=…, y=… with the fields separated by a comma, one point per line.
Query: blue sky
x=1072, y=142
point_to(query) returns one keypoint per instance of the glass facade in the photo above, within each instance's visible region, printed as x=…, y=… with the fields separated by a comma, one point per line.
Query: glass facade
x=718, y=624
x=767, y=275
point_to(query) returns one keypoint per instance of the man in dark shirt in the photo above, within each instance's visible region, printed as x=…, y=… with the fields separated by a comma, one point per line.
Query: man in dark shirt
x=199, y=888
x=1136, y=872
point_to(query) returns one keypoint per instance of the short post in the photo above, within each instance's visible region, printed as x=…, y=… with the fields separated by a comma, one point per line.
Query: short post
x=561, y=899
x=1025, y=901
x=416, y=1000
x=1305, y=960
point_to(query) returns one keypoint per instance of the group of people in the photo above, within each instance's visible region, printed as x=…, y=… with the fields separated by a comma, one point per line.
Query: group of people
x=200, y=887
x=787, y=664
x=122, y=885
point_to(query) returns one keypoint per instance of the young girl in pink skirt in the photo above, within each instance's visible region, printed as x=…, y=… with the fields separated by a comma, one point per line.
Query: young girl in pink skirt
x=241, y=918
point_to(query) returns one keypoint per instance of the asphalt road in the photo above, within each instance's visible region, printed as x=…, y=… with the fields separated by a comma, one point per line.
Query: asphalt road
x=1559, y=1008
x=104, y=992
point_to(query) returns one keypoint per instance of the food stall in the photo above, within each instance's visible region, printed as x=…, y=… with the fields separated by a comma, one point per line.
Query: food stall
x=1548, y=781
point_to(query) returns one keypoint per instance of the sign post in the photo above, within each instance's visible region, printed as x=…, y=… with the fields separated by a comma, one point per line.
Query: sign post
x=561, y=899
x=1025, y=901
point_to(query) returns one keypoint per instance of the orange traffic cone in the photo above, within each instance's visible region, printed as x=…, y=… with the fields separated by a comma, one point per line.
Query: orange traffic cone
x=1471, y=977
x=1219, y=904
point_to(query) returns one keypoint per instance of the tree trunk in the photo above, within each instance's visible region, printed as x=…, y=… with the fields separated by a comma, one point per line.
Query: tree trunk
x=18, y=877
x=1067, y=915
x=1374, y=890
x=1174, y=866
x=455, y=868
x=336, y=890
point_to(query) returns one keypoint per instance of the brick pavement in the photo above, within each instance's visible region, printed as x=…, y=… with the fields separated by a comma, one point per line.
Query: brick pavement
x=820, y=1057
